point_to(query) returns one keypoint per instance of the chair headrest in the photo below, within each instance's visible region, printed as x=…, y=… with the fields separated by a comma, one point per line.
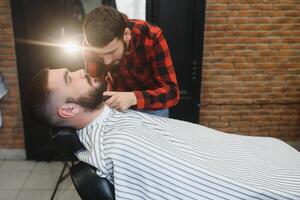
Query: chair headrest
x=67, y=141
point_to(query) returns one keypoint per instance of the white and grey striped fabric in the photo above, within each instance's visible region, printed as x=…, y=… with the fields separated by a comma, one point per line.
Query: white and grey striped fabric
x=149, y=157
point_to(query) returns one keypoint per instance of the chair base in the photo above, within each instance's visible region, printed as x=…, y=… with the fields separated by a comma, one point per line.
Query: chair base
x=61, y=177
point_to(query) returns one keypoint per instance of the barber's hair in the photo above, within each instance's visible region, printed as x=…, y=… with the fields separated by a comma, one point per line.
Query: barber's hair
x=38, y=96
x=102, y=25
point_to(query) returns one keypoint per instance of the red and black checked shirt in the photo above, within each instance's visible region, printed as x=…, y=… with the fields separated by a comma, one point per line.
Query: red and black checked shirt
x=146, y=68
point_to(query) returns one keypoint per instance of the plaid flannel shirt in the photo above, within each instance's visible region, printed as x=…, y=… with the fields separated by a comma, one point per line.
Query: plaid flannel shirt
x=146, y=68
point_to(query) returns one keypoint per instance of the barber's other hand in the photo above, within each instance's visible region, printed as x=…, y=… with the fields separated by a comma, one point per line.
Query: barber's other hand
x=120, y=100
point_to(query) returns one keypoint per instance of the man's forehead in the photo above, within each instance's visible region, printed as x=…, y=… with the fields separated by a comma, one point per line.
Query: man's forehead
x=54, y=73
x=55, y=76
x=113, y=45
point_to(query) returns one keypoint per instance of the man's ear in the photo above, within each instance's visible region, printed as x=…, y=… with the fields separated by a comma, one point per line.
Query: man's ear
x=68, y=110
x=127, y=35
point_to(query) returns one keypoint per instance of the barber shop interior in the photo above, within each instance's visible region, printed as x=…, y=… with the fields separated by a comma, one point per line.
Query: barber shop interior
x=149, y=99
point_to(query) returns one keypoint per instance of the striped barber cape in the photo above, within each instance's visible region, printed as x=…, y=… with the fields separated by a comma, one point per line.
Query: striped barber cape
x=150, y=157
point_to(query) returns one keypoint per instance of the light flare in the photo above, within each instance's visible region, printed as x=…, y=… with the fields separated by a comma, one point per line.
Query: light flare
x=71, y=47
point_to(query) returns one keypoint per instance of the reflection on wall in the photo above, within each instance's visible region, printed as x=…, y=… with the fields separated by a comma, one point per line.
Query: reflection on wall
x=134, y=9
x=3, y=92
x=90, y=5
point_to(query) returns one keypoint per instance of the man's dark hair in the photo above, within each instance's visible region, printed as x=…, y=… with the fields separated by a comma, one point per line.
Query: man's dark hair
x=38, y=98
x=102, y=25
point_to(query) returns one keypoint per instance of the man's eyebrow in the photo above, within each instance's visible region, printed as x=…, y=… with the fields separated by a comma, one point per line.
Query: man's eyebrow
x=109, y=51
x=66, y=76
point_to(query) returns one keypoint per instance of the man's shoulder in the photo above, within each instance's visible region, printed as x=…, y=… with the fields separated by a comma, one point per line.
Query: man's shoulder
x=142, y=28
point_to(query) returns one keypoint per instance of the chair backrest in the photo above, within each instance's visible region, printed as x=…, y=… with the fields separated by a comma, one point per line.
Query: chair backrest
x=84, y=177
x=67, y=141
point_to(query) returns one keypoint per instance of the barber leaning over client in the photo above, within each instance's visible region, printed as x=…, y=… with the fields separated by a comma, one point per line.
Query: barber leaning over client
x=133, y=57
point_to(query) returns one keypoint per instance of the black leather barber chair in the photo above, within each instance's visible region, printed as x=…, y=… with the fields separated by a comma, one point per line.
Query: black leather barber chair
x=87, y=183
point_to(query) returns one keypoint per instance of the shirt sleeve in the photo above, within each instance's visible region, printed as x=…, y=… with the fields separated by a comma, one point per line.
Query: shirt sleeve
x=167, y=94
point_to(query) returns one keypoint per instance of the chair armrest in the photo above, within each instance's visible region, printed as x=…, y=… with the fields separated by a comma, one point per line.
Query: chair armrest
x=89, y=185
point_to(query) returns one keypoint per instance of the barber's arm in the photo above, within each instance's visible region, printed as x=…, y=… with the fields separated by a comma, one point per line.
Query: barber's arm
x=165, y=95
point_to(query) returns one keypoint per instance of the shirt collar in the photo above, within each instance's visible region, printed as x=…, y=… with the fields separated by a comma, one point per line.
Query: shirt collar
x=99, y=120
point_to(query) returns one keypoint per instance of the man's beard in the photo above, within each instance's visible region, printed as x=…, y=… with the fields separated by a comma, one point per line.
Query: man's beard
x=91, y=100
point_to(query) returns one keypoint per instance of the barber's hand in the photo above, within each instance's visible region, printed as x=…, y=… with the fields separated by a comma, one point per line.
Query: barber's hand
x=120, y=100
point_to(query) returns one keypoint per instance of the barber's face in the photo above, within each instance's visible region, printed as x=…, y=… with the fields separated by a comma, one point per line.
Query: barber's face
x=76, y=87
x=112, y=54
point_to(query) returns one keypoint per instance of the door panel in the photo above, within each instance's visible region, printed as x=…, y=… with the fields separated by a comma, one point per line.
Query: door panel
x=181, y=28
x=34, y=22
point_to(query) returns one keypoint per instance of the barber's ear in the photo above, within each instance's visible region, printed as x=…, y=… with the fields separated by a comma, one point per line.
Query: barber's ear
x=68, y=110
x=127, y=35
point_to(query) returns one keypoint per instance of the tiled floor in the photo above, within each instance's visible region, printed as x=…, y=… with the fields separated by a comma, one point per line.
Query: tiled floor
x=30, y=180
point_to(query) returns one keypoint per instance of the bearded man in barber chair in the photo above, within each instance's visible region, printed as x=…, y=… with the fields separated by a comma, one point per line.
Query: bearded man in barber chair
x=151, y=157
